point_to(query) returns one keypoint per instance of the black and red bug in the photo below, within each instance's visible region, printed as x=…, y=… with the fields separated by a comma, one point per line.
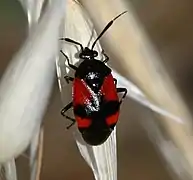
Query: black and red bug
x=95, y=101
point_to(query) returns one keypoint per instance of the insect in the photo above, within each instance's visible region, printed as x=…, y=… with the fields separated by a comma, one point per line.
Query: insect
x=95, y=100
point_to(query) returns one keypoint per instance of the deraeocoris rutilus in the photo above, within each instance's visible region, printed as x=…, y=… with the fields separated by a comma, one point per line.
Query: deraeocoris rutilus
x=95, y=96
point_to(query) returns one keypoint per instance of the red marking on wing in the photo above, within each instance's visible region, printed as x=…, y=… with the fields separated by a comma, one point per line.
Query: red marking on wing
x=80, y=92
x=109, y=89
x=80, y=95
x=112, y=119
x=83, y=122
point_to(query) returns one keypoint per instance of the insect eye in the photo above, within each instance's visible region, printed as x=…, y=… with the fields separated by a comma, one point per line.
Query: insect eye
x=82, y=55
x=95, y=53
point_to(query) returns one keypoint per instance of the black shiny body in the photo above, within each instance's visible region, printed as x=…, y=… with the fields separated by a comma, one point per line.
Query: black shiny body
x=95, y=108
x=92, y=108
x=93, y=73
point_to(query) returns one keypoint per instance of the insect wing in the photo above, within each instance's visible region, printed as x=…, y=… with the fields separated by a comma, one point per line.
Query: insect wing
x=81, y=96
x=110, y=94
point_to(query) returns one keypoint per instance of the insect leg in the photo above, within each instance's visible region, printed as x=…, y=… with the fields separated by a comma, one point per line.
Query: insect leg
x=122, y=90
x=66, y=108
x=70, y=65
x=106, y=57
x=115, y=81
x=68, y=79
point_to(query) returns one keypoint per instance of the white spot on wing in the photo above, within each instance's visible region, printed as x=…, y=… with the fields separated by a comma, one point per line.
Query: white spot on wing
x=95, y=106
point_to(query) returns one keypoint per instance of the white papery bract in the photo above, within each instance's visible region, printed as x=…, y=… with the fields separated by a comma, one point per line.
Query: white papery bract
x=33, y=9
x=136, y=94
x=102, y=159
x=27, y=84
x=10, y=170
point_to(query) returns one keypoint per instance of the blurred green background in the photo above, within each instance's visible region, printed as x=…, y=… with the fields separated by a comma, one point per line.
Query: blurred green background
x=13, y=30
x=169, y=24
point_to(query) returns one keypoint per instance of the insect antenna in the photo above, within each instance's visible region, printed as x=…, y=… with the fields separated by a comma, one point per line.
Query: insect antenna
x=72, y=41
x=106, y=28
